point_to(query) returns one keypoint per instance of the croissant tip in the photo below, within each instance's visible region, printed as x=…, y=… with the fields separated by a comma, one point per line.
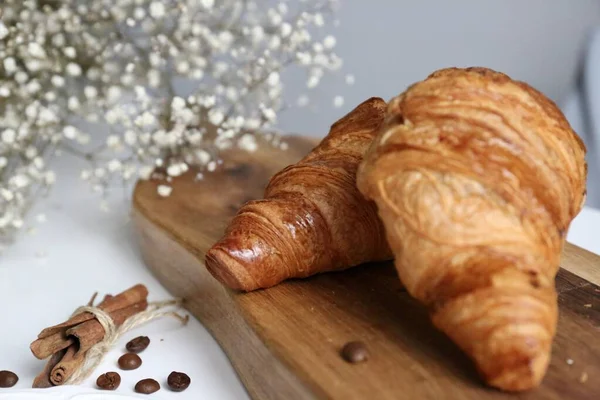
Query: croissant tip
x=218, y=265
x=526, y=377
x=521, y=372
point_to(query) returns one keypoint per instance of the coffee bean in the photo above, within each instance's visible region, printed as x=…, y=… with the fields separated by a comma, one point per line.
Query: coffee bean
x=129, y=361
x=147, y=386
x=8, y=379
x=178, y=381
x=355, y=352
x=109, y=381
x=138, y=344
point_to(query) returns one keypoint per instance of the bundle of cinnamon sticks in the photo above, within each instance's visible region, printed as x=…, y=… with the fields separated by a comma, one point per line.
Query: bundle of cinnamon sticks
x=66, y=344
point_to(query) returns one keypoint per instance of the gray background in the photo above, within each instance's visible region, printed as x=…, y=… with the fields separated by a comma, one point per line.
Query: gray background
x=390, y=44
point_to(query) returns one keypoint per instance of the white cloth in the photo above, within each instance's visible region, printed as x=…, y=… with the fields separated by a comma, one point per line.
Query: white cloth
x=582, y=109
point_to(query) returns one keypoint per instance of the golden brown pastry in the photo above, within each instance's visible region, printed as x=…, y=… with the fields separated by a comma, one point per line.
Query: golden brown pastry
x=313, y=219
x=477, y=178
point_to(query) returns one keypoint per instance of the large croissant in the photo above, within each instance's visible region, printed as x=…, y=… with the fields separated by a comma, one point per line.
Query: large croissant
x=313, y=218
x=477, y=178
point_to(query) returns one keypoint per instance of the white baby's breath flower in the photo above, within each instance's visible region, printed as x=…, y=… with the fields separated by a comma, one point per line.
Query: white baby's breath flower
x=154, y=78
x=113, y=141
x=285, y=29
x=3, y=31
x=8, y=136
x=73, y=69
x=145, y=172
x=208, y=4
x=47, y=116
x=338, y=101
x=19, y=181
x=50, y=177
x=269, y=114
x=318, y=19
x=70, y=52
x=130, y=138
x=114, y=165
x=313, y=81
x=36, y=50
x=157, y=9
x=215, y=117
x=31, y=152
x=304, y=58
x=203, y=157
x=33, y=87
x=70, y=132
x=139, y=13
x=10, y=65
x=164, y=190
x=177, y=103
x=113, y=93
x=6, y=194
x=127, y=79
x=73, y=103
x=182, y=67
x=90, y=92
x=273, y=78
x=171, y=83
x=248, y=143
x=21, y=77
x=58, y=81
x=329, y=42
x=177, y=169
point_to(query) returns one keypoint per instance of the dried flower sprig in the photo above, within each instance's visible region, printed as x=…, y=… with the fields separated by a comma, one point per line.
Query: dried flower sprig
x=171, y=83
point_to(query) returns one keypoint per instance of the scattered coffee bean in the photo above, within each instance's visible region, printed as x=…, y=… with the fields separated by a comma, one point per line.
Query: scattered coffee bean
x=109, y=381
x=129, y=361
x=138, y=344
x=8, y=379
x=147, y=386
x=178, y=381
x=355, y=352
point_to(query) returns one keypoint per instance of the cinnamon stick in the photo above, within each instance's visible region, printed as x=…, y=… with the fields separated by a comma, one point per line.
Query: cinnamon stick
x=69, y=363
x=44, y=348
x=43, y=379
x=91, y=332
x=131, y=296
x=86, y=334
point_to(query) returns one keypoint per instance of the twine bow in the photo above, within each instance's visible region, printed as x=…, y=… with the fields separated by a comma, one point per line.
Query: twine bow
x=112, y=333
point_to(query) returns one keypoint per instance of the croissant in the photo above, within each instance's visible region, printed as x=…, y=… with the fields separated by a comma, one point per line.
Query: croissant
x=477, y=178
x=313, y=218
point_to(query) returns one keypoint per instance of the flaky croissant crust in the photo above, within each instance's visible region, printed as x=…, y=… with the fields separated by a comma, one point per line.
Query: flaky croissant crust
x=477, y=178
x=313, y=218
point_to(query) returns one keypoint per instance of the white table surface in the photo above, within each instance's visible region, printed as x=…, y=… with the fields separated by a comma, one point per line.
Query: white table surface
x=80, y=250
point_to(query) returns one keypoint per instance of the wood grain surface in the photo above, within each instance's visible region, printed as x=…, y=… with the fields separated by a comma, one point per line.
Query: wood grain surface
x=284, y=342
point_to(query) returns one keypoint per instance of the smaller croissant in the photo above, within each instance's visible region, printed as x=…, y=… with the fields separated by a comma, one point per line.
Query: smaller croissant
x=313, y=218
x=477, y=178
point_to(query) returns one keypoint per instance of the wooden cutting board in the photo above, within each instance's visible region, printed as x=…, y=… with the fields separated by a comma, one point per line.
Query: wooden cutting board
x=284, y=342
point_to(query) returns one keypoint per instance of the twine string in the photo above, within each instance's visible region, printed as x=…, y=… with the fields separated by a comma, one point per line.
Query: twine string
x=112, y=333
